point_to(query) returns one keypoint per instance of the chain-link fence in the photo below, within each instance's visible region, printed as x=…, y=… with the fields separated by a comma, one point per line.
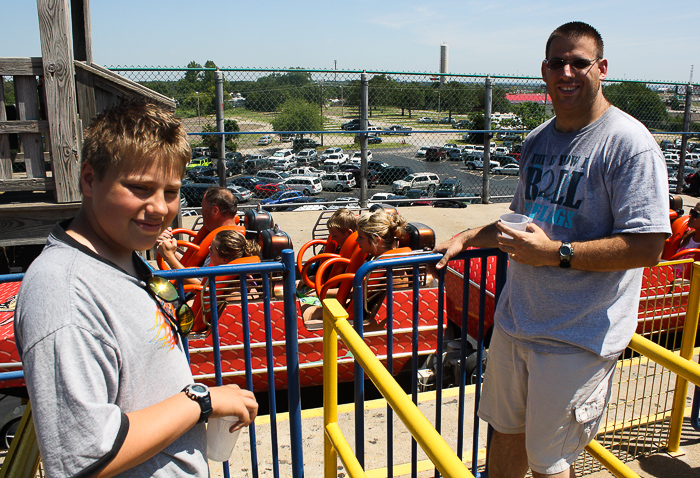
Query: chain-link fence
x=427, y=133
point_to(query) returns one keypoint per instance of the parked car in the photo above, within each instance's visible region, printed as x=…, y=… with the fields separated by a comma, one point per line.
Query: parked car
x=418, y=197
x=200, y=161
x=199, y=171
x=282, y=154
x=233, y=167
x=253, y=165
x=435, y=153
x=283, y=198
x=372, y=175
x=271, y=176
x=392, y=173
x=426, y=181
x=353, y=125
x=332, y=150
x=287, y=137
x=448, y=188
x=461, y=124
x=336, y=159
x=284, y=164
x=446, y=120
x=306, y=171
x=372, y=139
x=357, y=157
x=266, y=190
x=421, y=151
x=503, y=160
x=692, y=159
x=511, y=169
x=379, y=166
x=398, y=129
x=501, y=150
x=242, y=194
x=382, y=197
x=476, y=161
x=306, y=156
x=264, y=140
x=340, y=181
x=304, y=143
x=426, y=120
x=306, y=184
x=247, y=182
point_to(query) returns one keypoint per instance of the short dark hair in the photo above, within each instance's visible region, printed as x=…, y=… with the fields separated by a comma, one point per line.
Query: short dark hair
x=222, y=198
x=573, y=31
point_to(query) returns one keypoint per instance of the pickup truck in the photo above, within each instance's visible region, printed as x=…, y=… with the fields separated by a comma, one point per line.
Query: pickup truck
x=312, y=172
x=476, y=161
x=336, y=159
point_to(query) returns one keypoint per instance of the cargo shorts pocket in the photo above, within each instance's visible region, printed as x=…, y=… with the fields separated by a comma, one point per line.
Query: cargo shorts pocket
x=586, y=418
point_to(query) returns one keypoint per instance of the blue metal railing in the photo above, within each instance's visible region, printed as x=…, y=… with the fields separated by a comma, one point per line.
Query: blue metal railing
x=287, y=267
x=358, y=309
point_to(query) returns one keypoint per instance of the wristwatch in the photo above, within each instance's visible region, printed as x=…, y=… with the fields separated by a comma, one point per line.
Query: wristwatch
x=200, y=394
x=566, y=252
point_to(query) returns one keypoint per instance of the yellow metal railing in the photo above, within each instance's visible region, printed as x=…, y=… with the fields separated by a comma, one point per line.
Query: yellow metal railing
x=335, y=445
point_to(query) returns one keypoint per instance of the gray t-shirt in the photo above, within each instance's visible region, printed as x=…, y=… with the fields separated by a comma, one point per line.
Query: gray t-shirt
x=608, y=178
x=95, y=346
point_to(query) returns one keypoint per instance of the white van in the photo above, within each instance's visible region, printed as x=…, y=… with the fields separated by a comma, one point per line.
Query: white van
x=692, y=159
x=306, y=184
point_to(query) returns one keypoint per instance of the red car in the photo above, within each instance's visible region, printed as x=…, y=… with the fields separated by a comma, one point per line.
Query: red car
x=267, y=190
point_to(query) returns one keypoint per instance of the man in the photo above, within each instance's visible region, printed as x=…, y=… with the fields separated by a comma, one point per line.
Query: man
x=593, y=182
x=219, y=208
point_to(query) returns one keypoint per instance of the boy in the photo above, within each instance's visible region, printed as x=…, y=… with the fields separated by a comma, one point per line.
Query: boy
x=104, y=363
x=341, y=225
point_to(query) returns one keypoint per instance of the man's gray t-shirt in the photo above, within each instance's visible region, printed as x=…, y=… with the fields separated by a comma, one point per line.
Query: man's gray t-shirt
x=607, y=178
x=95, y=346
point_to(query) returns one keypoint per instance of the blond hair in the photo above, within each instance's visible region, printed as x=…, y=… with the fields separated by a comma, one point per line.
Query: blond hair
x=136, y=133
x=230, y=245
x=386, y=226
x=343, y=219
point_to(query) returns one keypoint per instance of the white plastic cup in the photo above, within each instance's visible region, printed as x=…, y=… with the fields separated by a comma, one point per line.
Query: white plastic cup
x=516, y=221
x=220, y=441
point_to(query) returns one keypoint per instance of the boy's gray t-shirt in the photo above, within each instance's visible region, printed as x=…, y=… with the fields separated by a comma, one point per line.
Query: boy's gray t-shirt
x=96, y=346
x=608, y=178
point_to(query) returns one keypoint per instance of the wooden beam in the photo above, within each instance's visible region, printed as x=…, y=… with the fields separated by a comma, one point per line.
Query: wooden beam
x=25, y=224
x=111, y=81
x=21, y=66
x=31, y=126
x=82, y=37
x=27, y=184
x=59, y=80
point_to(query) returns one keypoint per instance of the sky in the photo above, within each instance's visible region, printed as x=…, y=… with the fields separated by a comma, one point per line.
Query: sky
x=644, y=40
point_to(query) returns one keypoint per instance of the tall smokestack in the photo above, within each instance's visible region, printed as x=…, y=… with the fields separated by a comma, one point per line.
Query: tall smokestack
x=443, y=61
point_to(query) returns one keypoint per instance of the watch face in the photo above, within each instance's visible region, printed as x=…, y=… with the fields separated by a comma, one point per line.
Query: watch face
x=199, y=388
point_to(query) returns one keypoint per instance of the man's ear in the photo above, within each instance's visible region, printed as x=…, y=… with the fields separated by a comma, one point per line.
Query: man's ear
x=603, y=68
x=87, y=179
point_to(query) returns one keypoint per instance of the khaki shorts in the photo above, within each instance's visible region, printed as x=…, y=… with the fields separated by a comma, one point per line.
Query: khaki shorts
x=556, y=400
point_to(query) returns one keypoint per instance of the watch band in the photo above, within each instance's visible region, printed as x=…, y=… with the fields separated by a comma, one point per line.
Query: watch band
x=200, y=394
x=566, y=252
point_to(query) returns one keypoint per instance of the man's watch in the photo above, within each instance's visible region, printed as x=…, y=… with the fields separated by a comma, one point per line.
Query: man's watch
x=566, y=252
x=200, y=394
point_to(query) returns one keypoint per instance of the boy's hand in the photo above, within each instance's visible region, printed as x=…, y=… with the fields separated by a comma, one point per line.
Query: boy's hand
x=231, y=400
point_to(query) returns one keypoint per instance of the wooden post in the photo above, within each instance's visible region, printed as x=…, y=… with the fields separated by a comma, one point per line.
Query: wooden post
x=56, y=48
x=5, y=157
x=82, y=36
x=28, y=109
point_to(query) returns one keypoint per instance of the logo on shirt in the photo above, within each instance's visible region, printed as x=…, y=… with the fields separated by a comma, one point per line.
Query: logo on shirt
x=165, y=337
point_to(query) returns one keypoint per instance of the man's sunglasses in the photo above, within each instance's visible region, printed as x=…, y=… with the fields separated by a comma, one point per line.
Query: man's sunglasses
x=165, y=291
x=693, y=213
x=578, y=64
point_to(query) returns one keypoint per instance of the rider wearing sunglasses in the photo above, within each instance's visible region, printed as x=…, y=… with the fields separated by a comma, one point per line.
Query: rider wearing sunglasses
x=99, y=336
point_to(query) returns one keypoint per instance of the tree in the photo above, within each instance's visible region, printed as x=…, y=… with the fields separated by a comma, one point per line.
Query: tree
x=298, y=115
x=639, y=101
x=212, y=140
x=531, y=114
x=409, y=96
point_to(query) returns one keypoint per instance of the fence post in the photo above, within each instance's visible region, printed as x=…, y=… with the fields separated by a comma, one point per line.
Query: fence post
x=684, y=138
x=487, y=143
x=219, y=97
x=364, y=102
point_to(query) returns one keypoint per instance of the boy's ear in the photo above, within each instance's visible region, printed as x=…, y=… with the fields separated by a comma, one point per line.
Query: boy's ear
x=87, y=179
